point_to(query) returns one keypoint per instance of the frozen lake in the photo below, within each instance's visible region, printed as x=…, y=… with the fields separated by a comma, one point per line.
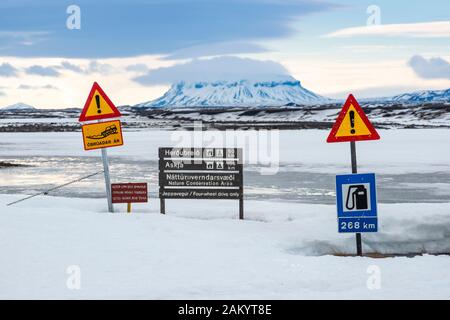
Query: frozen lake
x=284, y=249
x=411, y=165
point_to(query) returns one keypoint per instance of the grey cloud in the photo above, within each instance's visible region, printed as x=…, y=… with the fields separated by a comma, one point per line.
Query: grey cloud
x=222, y=68
x=42, y=71
x=29, y=87
x=97, y=67
x=7, y=70
x=139, y=67
x=70, y=66
x=434, y=68
x=93, y=67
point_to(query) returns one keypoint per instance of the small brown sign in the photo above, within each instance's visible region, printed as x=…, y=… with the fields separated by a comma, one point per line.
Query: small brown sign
x=129, y=192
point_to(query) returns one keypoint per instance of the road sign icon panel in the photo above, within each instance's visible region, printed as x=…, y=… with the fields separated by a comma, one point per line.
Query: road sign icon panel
x=219, y=153
x=356, y=203
x=209, y=153
x=356, y=197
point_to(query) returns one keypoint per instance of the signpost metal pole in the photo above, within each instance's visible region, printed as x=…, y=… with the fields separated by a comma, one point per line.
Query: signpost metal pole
x=162, y=205
x=107, y=179
x=241, y=191
x=241, y=209
x=355, y=170
x=103, y=108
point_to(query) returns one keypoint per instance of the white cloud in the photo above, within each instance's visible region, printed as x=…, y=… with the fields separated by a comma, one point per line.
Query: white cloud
x=329, y=77
x=336, y=79
x=216, y=49
x=438, y=29
x=73, y=87
x=220, y=68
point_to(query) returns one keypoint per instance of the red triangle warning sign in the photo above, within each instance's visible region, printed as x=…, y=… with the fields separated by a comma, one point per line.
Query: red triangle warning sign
x=98, y=106
x=352, y=124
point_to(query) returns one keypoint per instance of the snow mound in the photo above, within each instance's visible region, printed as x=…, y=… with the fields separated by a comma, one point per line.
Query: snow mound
x=19, y=106
x=241, y=93
x=194, y=252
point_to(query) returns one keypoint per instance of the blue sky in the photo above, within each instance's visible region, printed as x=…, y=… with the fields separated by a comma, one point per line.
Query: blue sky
x=325, y=44
x=136, y=27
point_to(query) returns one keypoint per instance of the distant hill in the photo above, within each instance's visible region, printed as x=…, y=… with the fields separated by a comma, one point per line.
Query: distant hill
x=282, y=91
x=431, y=96
x=241, y=93
x=247, y=93
x=18, y=106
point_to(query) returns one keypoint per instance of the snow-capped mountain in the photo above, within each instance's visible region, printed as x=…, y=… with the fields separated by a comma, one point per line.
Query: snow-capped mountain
x=19, y=106
x=423, y=96
x=242, y=93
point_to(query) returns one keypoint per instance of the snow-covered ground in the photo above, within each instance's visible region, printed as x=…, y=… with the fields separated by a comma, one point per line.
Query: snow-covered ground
x=300, y=117
x=385, y=115
x=283, y=250
x=200, y=250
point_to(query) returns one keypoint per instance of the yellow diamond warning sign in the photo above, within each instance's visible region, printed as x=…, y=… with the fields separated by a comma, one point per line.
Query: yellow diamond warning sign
x=102, y=135
x=352, y=124
x=98, y=106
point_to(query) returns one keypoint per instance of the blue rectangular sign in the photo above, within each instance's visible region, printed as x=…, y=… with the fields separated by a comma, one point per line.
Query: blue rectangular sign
x=356, y=201
x=349, y=225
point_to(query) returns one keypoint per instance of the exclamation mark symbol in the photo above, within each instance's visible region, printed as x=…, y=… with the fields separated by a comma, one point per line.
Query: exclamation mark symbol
x=97, y=101
x=352, y=121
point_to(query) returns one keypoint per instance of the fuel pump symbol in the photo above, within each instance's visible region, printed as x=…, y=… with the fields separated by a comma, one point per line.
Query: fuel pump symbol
x=357, y=198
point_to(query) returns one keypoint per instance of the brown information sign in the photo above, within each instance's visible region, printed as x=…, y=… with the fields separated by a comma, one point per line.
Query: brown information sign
x=129, y=192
